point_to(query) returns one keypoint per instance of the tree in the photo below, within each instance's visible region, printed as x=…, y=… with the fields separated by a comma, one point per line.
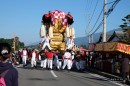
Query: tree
x=11, y=42
x=126, y=27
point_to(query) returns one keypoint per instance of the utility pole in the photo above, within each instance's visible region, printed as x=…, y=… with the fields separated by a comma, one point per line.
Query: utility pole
x=104, y=22
x=89, y=39
x=92, y=38
x=14, y=41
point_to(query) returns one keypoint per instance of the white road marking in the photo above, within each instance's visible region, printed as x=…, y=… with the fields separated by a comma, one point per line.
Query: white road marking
x=53, y=74
x=117, y=83
x=95, y=75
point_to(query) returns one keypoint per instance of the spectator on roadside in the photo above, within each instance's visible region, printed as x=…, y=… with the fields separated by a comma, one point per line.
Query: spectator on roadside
x=77, y=60
x=82, y=61
x=20, y=58
x=125, y=68
x=87, y=58
x=90, y=59
x=7, y=71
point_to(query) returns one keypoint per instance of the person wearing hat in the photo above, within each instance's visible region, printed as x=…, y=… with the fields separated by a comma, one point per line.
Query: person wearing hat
x=10, y=74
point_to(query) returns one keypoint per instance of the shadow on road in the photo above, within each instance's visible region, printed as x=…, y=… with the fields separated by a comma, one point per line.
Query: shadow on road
x=41, y=79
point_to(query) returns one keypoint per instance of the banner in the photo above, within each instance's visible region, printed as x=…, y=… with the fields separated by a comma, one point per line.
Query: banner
x=99, y=47
x=112, y=46
x=125, y=48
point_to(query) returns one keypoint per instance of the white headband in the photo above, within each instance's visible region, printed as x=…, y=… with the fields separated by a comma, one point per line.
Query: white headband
x=4, y=51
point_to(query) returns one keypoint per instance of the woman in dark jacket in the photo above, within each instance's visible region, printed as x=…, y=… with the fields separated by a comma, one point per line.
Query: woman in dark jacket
x=11, y=77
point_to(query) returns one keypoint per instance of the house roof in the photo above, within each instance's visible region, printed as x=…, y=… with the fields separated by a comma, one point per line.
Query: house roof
x=107, y=37
x=118, y=34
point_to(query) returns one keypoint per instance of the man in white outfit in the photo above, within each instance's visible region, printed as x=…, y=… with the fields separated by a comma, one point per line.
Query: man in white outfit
x=70, y=43
x=67, y=60
x=34, y=58
x=72, y=57
x=56, y=61
x=24, y=56
x=43, y=58
x=46, y=41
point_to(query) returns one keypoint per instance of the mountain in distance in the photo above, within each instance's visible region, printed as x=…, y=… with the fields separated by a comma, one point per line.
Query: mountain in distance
x=84, y=40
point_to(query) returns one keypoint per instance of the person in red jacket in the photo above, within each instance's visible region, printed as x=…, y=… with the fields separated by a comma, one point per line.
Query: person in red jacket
x=49, y=55
x=24, y=55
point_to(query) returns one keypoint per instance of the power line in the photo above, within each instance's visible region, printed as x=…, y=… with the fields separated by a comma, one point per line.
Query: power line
x=107, y=13
x=94, y=10
x=112, y=7
x=110, y=2
x=96, y=20
x=88, y=7
x=89, y=21
x=97, y=27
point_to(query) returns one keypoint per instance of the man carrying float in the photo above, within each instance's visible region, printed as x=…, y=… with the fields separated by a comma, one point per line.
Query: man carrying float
x=70, y=43
x=46, y=42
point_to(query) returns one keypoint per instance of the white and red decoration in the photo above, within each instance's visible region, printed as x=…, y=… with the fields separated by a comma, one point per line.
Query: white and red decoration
x=60, y=15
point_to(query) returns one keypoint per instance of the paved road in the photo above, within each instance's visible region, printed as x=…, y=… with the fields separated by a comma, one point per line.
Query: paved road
x=38, y=77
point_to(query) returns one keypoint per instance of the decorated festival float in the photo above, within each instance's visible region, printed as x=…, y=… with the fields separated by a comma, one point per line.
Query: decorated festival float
x=59, y=26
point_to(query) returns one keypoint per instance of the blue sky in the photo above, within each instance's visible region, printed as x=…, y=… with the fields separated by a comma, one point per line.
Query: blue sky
x=24, y=16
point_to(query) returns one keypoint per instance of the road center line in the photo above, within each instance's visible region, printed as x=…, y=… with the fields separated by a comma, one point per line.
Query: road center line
x=53, y=74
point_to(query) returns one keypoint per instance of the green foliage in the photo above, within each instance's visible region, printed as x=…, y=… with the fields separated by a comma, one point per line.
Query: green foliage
x=126, y=28
x=11, y=43
x=126, y=21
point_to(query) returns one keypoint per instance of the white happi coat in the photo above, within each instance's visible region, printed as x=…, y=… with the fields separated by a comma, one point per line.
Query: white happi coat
x=33, y=59
x=45, y=42
x=25, y=54
x=67, y=60
x=70, y=43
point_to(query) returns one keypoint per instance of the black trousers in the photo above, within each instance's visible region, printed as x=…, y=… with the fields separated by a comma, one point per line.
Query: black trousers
x=124, y=75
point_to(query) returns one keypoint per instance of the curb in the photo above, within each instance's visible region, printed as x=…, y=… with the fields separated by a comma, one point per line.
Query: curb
x=102, y=73
x=108, y=75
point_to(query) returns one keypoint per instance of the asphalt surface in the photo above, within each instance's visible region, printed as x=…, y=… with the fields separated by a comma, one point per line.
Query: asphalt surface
x=39, y=77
